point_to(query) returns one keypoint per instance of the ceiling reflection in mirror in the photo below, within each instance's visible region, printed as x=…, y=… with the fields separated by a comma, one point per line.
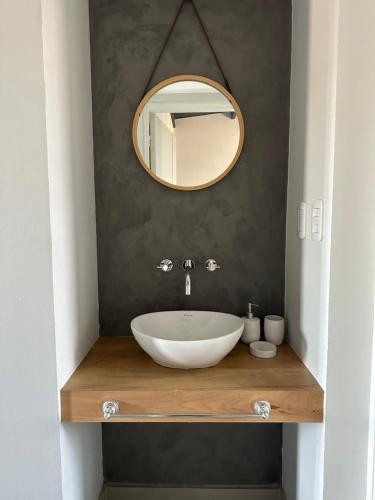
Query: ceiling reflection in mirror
x=188, y=133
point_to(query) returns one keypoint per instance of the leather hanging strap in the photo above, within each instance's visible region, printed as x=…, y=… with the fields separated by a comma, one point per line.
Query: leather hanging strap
x=169, y=35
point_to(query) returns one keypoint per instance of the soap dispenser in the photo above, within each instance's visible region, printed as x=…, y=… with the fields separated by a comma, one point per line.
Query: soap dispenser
x=251, y=331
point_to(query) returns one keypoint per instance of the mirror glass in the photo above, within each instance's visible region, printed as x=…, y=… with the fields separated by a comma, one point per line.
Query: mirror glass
x=188, y=132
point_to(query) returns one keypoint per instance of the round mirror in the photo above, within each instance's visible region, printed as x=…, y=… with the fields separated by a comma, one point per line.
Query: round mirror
x=188, y=132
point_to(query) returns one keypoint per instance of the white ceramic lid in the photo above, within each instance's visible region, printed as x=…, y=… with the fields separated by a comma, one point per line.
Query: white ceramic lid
x=262, y=349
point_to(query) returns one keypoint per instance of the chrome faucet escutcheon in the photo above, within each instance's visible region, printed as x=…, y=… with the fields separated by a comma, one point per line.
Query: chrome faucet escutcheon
x=211, y=265
x=165, y=265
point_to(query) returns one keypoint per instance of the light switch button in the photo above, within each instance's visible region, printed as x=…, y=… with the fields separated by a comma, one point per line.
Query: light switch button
x=317, y=220
x=315, y=212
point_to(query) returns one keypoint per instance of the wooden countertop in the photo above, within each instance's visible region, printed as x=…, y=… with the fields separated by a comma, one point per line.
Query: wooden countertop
x=116, y=368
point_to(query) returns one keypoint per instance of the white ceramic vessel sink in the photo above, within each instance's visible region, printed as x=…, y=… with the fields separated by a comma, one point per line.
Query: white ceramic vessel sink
x=187, y=339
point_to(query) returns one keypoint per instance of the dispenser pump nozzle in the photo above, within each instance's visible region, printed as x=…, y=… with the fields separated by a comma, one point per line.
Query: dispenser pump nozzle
x=250, y=313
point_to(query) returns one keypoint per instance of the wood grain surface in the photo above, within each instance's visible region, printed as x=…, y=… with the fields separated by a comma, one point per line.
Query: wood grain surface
x=117, y=369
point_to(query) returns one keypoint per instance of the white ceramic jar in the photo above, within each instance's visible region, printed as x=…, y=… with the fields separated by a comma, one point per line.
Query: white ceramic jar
x=274, y=329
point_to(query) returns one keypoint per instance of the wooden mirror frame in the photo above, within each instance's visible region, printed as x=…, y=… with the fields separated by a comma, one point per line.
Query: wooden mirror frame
x=163, y=84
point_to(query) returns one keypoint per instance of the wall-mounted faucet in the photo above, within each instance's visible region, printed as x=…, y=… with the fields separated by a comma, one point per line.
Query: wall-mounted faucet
x=188, y=265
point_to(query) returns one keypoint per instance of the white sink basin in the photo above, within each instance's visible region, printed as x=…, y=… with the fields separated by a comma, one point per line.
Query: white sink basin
x=187, y=339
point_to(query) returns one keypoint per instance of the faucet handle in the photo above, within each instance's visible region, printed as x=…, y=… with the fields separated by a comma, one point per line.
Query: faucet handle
x=211, y=265
x=165, y=265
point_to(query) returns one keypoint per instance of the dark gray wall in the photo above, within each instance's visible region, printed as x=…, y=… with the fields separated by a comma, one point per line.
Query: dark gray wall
x=193, y=454
x=240, y=221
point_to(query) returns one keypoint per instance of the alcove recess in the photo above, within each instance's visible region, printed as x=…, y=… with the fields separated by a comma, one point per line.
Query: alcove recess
x=116, y=369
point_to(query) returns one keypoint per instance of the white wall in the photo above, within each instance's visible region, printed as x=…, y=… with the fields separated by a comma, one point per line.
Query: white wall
x=312, y=120
x=351, y=312
x=66, y=46
x=330, y=286
x=29, y=410
x=48, y=285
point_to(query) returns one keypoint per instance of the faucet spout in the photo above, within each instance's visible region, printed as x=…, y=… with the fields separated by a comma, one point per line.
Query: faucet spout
x=188, y=265
x=187, y=283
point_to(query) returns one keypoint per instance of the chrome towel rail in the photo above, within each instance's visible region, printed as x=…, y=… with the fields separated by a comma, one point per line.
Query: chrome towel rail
x=261, y=409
